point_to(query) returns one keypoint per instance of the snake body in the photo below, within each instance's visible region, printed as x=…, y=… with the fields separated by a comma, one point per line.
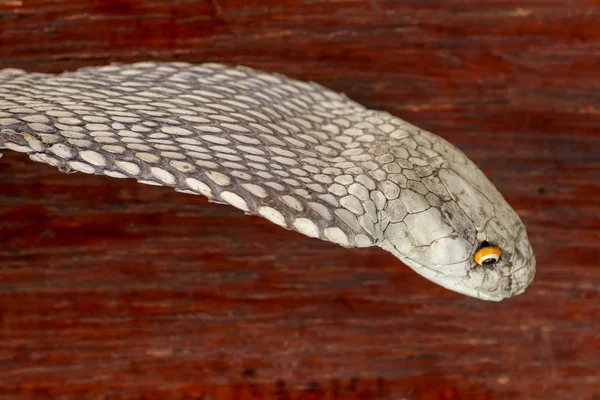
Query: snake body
x=298, y=154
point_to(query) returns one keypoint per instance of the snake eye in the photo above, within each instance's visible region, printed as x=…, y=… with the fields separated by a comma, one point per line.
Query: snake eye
x=487, y=255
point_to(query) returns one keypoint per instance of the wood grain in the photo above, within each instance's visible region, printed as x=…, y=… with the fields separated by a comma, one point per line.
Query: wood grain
x=115, y=290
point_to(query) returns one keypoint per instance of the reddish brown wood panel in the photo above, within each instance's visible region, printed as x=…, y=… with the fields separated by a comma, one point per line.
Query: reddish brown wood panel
x=115, y=290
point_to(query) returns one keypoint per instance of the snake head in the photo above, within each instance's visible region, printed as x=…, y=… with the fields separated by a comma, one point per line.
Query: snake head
x=460, y=232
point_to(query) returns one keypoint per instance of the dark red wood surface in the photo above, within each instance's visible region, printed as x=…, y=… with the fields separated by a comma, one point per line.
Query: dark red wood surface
x=114, y=290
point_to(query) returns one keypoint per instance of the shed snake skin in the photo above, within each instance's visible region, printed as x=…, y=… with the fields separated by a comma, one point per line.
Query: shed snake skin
x=295, y=153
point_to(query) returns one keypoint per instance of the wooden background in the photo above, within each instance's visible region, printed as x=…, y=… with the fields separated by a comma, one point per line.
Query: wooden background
x=114, y=290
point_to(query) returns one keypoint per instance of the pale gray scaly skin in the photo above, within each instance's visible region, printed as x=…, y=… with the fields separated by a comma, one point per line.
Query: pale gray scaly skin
x=296, y=153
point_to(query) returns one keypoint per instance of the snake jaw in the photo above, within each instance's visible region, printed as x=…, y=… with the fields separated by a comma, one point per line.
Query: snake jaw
x=508, y=278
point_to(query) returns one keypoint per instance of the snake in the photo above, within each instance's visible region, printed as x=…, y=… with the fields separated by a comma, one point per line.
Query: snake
x=298, y=154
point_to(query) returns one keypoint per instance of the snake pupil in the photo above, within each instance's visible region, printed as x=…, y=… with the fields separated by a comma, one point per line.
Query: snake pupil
x=489, y=261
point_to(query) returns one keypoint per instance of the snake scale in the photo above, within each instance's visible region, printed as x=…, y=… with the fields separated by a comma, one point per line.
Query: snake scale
x=298, y=154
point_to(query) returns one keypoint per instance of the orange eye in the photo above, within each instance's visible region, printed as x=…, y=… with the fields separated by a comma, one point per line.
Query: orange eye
x=487, y=255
